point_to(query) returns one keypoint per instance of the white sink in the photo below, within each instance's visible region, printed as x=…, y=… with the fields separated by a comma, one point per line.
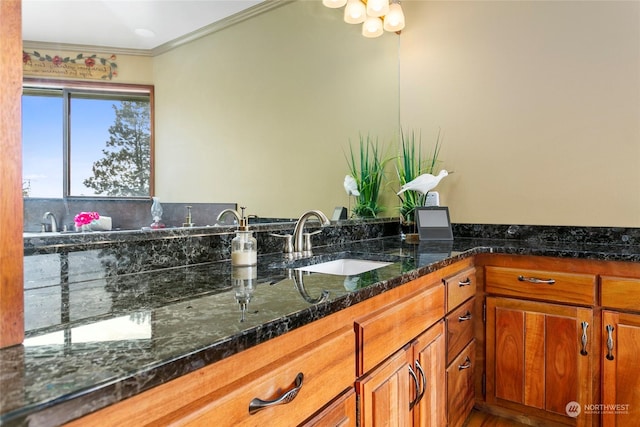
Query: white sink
x=345, y=266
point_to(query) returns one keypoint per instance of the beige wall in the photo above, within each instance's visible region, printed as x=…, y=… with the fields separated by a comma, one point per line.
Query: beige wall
x=261, y=113
x=539, y=104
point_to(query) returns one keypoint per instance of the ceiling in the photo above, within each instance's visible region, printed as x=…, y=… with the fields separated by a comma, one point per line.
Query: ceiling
x=123, y=24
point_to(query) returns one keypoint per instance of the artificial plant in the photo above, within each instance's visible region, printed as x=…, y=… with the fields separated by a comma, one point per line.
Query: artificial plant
x=409, y=166
x=367, y=167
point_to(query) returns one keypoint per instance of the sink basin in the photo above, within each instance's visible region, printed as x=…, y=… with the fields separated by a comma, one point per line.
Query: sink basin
x=345, y=266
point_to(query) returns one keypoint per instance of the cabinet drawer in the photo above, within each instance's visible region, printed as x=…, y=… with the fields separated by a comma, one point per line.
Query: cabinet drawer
x=460, y=287
x=339, y=413
x=459, y=328
x=460, y=386
x=620, y=292
x=327, y=369
x=381, y=333
x=573, y=288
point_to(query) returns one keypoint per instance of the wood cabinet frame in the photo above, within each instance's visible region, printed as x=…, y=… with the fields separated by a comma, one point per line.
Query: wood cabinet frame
x=11, y=241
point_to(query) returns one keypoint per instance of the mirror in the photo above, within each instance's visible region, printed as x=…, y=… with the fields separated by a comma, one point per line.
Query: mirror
x=261, y=113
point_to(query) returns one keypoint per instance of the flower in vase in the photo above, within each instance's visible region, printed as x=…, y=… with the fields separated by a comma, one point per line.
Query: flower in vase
x=84, y=218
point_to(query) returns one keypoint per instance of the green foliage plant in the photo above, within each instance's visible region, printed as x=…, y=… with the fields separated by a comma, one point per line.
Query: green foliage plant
x=125, y=168
x=367, y=167
x=410, y=165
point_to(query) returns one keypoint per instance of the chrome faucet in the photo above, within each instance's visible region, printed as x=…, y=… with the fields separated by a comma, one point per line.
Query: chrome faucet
x=54, y=223
x=229, y=211
x=298, y=239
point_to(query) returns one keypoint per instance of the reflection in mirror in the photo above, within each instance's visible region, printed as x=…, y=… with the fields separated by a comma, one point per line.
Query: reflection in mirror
x=260, y=113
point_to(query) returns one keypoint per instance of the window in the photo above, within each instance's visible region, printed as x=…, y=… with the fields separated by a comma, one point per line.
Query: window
x=87, y=140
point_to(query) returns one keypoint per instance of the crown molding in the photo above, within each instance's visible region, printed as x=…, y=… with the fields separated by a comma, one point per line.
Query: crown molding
x=187, y=38
x=29, y=44
x=220, y=25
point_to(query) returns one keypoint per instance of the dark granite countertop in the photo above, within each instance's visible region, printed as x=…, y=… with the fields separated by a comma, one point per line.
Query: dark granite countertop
x=94, y=339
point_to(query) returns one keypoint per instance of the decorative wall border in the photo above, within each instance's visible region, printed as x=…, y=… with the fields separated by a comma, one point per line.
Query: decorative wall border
x=82, y=66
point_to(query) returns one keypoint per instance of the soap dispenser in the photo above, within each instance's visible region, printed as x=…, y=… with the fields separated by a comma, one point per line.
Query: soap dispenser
x=156, y=213
x=244, y=247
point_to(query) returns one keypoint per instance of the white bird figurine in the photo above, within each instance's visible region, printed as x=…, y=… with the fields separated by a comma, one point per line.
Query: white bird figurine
x=424, y=183
x=351, y=186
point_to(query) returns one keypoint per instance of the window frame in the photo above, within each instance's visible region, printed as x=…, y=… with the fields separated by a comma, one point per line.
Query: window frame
x=97, y=88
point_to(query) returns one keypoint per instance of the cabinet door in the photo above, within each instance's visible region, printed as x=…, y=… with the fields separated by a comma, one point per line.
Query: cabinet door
x=429, y=354
x=385, y=392
x=539, y=358
x=339, y=413
x=620, y=369
x=460, y=386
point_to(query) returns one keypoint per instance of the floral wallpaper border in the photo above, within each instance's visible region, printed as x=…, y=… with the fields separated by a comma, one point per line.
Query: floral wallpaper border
x=82, y=66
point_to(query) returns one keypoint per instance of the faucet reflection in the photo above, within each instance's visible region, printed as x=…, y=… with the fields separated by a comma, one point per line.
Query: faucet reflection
x=303, y=243
x=229, y=211
x=298, y=279
x=53, y=224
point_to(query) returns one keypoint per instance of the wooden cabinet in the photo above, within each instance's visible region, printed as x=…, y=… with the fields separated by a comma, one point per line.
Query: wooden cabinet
x=621, y=352
x=460, y=391
x=561, y=340
x=381, y=333
x=542, y=358
x=540, y=355
x=429, y=380
x=292, y=376
x=283, y=393
x=460, y=387
x=400, y=363
x=339, y=413
x=408, y=387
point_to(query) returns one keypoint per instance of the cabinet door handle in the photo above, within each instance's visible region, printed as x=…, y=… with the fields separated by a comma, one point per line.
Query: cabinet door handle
x=257, y=405
x=536, y=280
x=415, y=382
x=465, y=282
x=464, y=318
x=466, y=364
x=583, y=339
x=610, y=329
x=424, y=382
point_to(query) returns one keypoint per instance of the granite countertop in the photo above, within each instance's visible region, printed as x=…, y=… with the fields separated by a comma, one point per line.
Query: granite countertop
x=94, y=339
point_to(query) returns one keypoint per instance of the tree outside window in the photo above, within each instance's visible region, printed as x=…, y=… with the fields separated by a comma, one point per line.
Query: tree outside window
x=80, y=142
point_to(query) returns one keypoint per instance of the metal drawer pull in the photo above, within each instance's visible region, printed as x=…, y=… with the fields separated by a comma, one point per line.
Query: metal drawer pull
x=257, y=405
x=610, y=342
x=536, y=280
x=583, y=351
x=466, y=317
x=415, y=382
x=424, y=382
x=465, y=365
x=465, y=282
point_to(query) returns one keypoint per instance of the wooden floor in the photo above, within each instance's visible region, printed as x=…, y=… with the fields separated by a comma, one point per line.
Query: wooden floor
x=483, y=419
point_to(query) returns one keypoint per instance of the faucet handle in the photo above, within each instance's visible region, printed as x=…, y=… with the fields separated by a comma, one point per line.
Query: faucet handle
x=288, y=242
x=306, y=239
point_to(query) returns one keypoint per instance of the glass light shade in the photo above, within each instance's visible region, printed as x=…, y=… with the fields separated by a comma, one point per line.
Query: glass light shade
x=334, y=4
x=377, y=7
x=394, y=20
x=372, y=27
x=355, y=12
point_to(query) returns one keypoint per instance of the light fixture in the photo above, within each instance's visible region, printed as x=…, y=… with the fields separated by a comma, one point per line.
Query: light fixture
x=355, y=12
x=376, y=16
x=372, y=27
x=394, y=20
x=334, y=4
x=377, y=7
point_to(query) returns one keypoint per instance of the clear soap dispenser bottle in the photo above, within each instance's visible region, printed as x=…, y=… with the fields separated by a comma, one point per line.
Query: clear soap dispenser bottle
x=244, y=247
